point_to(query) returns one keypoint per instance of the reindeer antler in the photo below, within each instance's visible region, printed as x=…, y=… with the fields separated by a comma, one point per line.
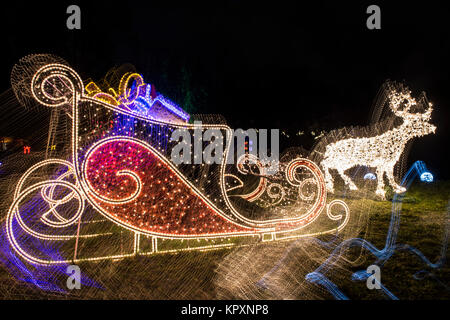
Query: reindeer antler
x=426, y=105
x=398, y=96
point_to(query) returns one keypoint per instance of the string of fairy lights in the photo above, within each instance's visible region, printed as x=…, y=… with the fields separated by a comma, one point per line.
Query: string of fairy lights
x=383, y=151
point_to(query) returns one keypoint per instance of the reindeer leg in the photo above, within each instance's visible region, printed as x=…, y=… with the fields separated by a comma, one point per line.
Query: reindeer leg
x=328, y=179
x=380, y=184
x=347, y=179
x=390, y=175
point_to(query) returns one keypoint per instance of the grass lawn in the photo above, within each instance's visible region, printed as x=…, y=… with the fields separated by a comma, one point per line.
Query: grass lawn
x=193, y=275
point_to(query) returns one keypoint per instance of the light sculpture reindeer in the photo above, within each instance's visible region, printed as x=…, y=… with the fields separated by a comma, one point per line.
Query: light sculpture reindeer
x=382, y=151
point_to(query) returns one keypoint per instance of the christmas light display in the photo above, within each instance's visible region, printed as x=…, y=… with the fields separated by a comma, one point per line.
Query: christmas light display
x=106, y=191
x=118, y=164
x=317, y=267
x=382, y=151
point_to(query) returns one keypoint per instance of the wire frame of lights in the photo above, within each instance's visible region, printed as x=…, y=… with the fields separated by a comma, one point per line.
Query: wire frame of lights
x=382, y=151
x=119, y=167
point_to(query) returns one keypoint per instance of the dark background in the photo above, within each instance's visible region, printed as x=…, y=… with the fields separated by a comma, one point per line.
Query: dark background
x=305, y=66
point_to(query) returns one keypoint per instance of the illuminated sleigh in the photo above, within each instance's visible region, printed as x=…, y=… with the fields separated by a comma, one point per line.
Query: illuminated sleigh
x=120, y=165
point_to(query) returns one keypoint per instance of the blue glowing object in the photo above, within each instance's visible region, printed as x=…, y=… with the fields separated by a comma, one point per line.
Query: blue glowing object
x=370, y=176
x=144, y=103
x=423, y=172
x=426, y=177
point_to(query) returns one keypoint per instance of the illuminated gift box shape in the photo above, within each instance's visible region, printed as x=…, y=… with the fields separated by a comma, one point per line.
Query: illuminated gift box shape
x=134, y=95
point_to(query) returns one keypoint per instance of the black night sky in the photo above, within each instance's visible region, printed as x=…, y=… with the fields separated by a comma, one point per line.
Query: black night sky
x=313, y=65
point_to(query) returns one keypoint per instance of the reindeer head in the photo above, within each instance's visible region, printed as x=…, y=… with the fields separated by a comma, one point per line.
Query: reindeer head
x=415, y=124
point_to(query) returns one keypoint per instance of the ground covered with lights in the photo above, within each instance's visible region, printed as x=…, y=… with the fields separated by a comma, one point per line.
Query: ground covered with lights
x=195, y=275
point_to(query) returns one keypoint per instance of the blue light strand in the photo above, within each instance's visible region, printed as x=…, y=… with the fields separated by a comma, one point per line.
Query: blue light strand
x=383, y=255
